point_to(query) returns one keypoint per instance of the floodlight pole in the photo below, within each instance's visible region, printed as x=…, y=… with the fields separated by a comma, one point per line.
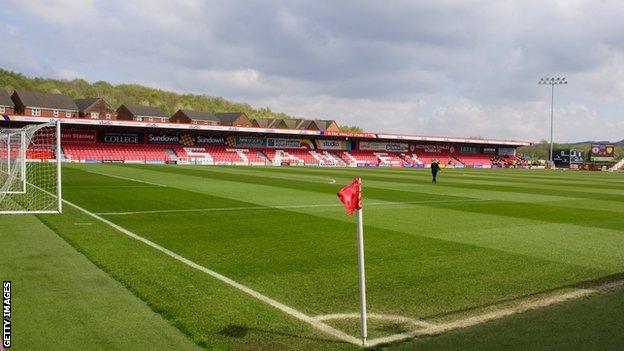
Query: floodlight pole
x=552, y=81
x=552, y=109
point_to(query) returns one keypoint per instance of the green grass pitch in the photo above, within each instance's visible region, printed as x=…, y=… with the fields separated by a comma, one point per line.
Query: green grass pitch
x=477, y=240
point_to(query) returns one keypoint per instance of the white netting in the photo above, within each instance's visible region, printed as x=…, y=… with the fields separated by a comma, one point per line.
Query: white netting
x=28, y=169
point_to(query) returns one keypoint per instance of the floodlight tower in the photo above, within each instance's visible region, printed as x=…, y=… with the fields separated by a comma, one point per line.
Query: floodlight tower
x=552, y=81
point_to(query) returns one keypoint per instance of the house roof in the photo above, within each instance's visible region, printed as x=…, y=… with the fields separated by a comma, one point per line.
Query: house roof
x=324, y=123
x=275, y=123
x=264, y=122
x=293, y=123
x=307, y=124
x=5, y=99
x=226, y=118
x=83, y=104
x=142, y=110
x=45, y=100
x=201, y=116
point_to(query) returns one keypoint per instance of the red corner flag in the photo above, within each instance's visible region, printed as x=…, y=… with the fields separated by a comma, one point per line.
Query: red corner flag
x=351, y=196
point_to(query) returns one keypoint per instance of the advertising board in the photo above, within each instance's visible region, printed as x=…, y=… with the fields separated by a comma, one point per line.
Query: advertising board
x=381, y=146
x=602, y=152
x=120, y=138
x=78, y=136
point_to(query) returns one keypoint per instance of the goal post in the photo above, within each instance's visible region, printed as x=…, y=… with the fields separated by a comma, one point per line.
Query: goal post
x=30, y=169
x=12, y=150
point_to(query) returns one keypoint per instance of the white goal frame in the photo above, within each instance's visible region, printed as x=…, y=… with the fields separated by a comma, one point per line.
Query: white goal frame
x=23, y=161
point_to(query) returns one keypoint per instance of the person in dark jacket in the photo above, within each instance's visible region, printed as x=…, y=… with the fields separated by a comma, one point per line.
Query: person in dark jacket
x=435, y=168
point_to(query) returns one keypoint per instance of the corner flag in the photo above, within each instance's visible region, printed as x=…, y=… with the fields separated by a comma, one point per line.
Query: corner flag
x=351, y=197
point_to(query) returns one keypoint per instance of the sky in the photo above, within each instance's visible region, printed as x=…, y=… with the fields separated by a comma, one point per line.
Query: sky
x=452, y=68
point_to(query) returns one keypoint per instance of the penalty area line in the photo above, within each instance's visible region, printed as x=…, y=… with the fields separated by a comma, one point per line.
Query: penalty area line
x=255, y=294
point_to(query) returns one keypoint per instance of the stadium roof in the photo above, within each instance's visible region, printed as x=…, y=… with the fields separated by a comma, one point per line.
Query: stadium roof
x=45, y=100
x=5, y=99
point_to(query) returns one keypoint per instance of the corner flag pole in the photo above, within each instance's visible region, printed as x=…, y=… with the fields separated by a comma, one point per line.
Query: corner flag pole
x=363, y=322
x=351, y=197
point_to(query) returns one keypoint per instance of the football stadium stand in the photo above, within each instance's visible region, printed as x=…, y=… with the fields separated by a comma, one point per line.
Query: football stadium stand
x=103, y=152
x=92, y=141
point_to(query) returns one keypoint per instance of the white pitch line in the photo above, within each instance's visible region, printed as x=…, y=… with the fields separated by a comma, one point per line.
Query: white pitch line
x=498, y=314
x=260, y=208
x=387, y=317
x=276, y=304
x=125, y=178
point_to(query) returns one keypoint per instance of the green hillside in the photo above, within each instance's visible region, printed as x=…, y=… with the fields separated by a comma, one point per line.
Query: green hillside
x=116, y=95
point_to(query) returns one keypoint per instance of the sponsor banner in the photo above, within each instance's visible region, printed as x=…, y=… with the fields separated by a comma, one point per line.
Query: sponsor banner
x=348, y=134
x=162, y=138
x=468, y=149
x=324, y=144
x=182, y=138
x=120, y=138
x=244, y=141
x=602, y=152
x=433, y=148
x=379, y=146
x=283, y=143
x=209, y=140
x=79, y=136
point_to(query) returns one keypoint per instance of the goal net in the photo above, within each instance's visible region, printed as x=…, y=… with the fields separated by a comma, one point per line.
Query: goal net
x=30, y=169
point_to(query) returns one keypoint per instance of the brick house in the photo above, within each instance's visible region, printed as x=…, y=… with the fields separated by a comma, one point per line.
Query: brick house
x=237, y=119
x=194, y=117
x=295, y=123
x=37, y=104
x=7, y=107
x=309, y=124
x=94, y=108
x=263, y=122
x=130, y=112
x=329, y=125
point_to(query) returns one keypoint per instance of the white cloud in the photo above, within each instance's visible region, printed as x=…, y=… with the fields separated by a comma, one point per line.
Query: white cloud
x=427, y=67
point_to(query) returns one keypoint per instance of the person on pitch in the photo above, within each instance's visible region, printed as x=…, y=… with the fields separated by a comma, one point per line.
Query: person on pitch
x=435, y=168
